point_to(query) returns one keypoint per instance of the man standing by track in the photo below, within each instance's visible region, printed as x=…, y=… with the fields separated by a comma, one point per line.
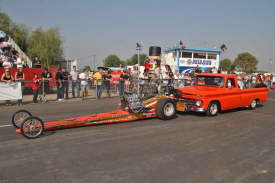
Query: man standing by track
x=98, y=82
x=84, y=77
x=74, y=75
x=65, y=81
x=59, y=85
x=46, y=77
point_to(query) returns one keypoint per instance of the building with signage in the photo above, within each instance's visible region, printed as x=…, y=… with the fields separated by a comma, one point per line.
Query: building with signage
x=186, y=59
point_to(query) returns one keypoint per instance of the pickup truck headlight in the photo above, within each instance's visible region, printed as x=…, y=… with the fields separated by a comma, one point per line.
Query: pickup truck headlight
x=198, y=103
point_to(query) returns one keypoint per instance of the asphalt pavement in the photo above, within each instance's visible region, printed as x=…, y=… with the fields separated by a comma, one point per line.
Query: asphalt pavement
x=237, y=146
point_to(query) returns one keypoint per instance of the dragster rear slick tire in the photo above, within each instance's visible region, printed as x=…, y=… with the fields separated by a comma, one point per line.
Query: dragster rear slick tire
x=32, y=127
x=166, y=109
x=18, y=118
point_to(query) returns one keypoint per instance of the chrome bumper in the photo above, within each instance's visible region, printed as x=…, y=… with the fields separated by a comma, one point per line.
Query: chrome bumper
x=195, y=109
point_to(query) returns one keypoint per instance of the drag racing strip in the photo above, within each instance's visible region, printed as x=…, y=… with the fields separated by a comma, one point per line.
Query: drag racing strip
x=3, y=126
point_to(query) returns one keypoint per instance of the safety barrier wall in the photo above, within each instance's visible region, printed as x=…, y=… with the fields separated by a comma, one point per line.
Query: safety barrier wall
x=29, y=72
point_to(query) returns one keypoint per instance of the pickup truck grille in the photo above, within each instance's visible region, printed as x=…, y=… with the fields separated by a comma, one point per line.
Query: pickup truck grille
x=188, y=101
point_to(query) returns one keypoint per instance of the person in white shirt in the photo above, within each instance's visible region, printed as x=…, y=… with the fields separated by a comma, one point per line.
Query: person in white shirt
x=19, y=62
x=74, y=76
x=6, y=63
x=84, y=76
x=214, y=70
x=253, y=81
x=240, y=82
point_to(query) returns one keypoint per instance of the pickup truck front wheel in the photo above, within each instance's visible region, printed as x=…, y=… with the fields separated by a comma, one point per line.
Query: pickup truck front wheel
x=212, y=109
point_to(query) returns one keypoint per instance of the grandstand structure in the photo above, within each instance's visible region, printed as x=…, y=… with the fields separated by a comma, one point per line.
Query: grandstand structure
x=21, y=53
x=7, y=41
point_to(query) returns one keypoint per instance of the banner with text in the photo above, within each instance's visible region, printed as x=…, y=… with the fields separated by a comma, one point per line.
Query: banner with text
x=10, y=91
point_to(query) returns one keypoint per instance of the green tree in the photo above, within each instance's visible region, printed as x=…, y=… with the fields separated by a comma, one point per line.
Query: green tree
x=112, y=61
x=134, y=59
x=5, y=22
x=226, y=64
x=47, y=45
x=246, y=62
x=19, y=33
x=86, y=67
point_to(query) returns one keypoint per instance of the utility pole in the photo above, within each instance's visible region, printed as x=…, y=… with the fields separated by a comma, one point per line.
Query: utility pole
x=93, y=61
x=270, y=62
x=138, y=48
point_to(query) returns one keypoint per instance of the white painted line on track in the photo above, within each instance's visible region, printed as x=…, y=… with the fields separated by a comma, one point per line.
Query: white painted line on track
x=2, y=126
x=271, y=99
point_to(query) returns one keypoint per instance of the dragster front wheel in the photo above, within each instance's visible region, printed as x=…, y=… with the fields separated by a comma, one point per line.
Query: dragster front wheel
x=19, y=116
x=32, y=127
x=166, y=109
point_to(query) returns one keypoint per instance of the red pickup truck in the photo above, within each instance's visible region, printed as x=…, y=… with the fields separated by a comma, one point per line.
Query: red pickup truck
x=213, y=93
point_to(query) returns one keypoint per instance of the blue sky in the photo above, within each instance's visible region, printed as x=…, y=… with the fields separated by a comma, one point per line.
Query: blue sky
x=104, y=27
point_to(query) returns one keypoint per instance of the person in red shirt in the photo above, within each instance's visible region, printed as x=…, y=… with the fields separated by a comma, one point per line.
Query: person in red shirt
x=35, y=86
x=147, y=66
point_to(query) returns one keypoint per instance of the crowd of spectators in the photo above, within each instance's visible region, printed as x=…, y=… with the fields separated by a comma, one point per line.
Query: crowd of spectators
x=128, y=80
x=9, y=57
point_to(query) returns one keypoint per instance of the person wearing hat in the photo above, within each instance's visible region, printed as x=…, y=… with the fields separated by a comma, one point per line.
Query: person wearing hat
x=98, y=81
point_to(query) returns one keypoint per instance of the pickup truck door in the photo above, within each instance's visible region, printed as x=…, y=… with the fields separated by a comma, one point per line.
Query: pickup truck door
x=232, y=96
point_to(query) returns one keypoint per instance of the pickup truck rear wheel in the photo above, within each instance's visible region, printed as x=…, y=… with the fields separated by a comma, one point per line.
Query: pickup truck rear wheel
x=166, y=109
x=212, y=109
x=253, y=104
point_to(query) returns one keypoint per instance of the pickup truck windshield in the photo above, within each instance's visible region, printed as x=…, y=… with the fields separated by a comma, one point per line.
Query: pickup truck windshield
x=210, y=81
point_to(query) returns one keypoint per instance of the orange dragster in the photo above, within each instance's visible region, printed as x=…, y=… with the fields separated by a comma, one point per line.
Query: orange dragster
x=212, y=93
x=132, y=109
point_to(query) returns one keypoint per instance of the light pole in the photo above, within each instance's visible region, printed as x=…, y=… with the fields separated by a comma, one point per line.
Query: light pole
x=93, y=61
x=270, y=62
x=138, y=48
